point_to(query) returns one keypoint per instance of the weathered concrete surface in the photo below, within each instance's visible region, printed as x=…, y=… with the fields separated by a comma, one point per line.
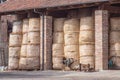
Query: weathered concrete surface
x=60, y=75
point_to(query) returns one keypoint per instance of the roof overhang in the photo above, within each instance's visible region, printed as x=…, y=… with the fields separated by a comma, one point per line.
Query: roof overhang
x=20, y=5
x=114, y=1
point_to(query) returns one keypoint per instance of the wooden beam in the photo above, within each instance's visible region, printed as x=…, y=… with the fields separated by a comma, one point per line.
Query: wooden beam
x=73, y=7
x=111, y=9
x=114, y=1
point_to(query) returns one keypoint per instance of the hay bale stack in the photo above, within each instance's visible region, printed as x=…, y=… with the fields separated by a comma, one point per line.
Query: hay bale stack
x=29, y=63
x=86, y=41
x=23, y=51
x=33, y=63
x=25, y=25
x=13, y=63
x=115, y=49
x=71, y=25
x=57, y=63
x=58, y=44
x=58, y=37
x=115, y=41
x=71, y=51
x=58, y=24
x=25, y=39
x=33, y=47
x=23, y=63
x=30, y=50
x=14, y=53
x=33, y=50
x=116, y=60
x=87, y=50
x=114, y=36
x=34, y=37
x=71, y=39
x=15, y=42
x=34, y=24
x=17, y=27
x=115, y=23
x=58, y=50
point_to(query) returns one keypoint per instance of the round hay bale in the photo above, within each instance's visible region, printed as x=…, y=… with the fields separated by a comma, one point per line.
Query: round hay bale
x=34, y=37
x=88, y=60
x=87, y=50
x=25, y=25
x=58, y=24
x=58, y=47
x=114, y=37
x=23, y=52
x=116, y=61
x=13, y=63
x=71, y=25
x=71, y=51
x=71, y=38
x=115, y=23
x=86, y=36
x=25, y=38
x=58, y=63
x=15, y=40
x=58, y=53
x=14, y=51
x=71, y=48
x=33, y=50
x=114, y=52
x=115, y=46
x=58, y=37
x=33, y=63
x=34, y=24
x=115, y=49
x=23, y=63
x=74, y=55
x=17, y=27
x=86, y=23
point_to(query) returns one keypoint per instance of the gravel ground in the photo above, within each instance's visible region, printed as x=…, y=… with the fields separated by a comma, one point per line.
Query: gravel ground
x=60, y=75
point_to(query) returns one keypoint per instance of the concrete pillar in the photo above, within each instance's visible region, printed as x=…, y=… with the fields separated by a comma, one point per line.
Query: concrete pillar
x=101, y=40
x=47, y=43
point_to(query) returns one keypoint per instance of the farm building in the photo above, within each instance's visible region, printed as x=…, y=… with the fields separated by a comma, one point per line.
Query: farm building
x=39, y=34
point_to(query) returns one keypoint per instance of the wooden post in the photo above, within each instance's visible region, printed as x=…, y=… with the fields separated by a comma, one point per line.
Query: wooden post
x=101, y=40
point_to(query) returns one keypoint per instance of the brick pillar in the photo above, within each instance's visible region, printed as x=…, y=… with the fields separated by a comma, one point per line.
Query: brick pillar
x=47, y=43
x=3, y=41
x=101, y=40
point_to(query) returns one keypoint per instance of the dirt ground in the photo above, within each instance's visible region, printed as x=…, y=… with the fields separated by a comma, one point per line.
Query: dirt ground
x=60, y=75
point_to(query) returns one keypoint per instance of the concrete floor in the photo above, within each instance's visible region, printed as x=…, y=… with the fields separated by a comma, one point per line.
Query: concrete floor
x=60, y=75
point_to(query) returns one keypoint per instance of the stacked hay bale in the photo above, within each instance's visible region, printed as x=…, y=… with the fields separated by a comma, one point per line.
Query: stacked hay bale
x=23, y=52
x=15, y=45
x=33, y=47
x=87, y=41
x=58, y=44
x=115, y=41
x=71, y=38
x=30, y=50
